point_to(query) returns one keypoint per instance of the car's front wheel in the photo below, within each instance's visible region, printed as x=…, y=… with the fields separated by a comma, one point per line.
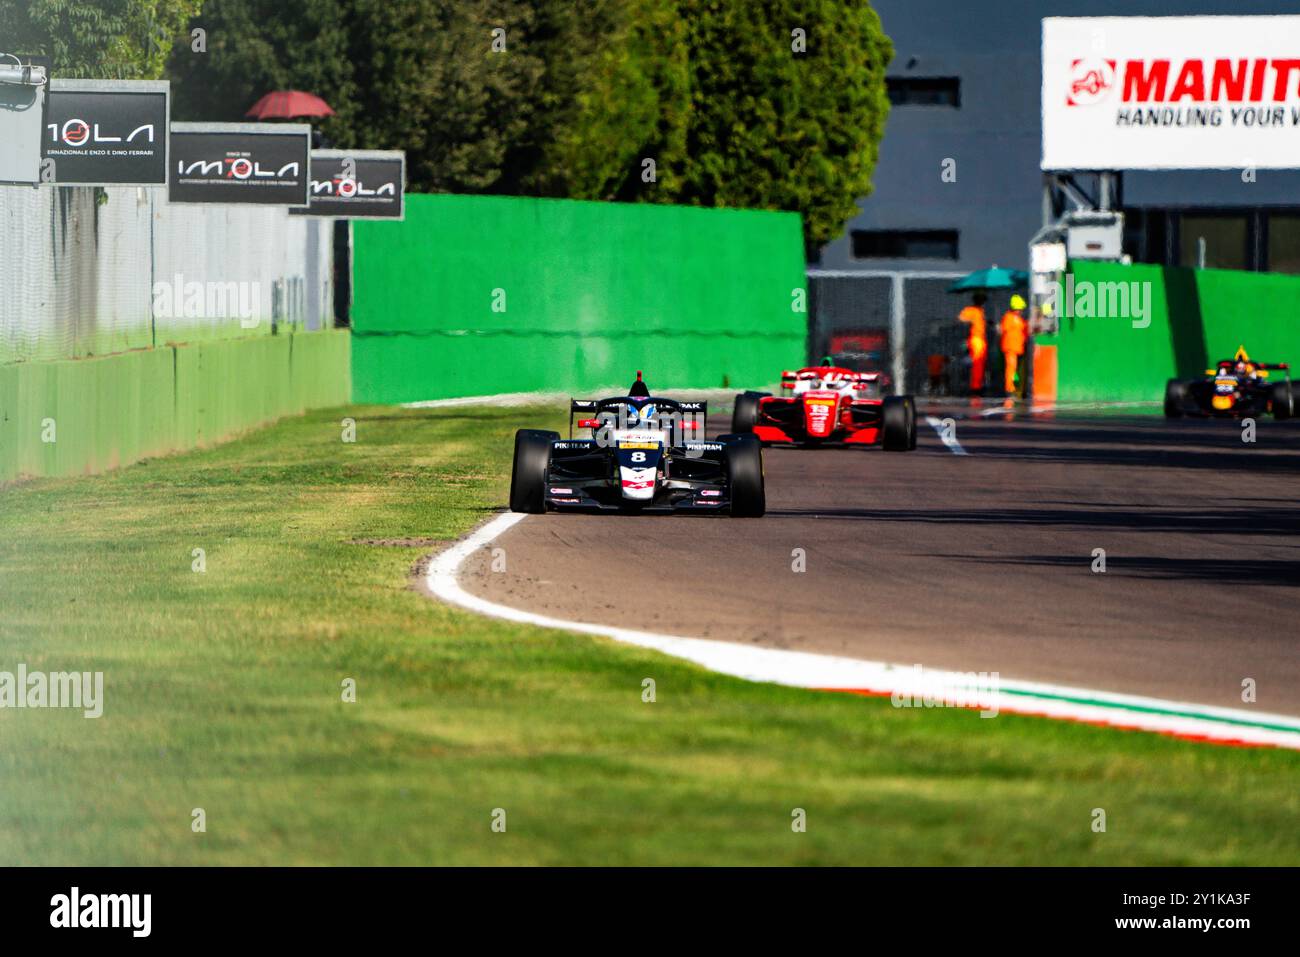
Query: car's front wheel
x=745, y=476
x=744, y=415
x=1283, y=400
x=898, y=426
x=528, y=477
x=1175, y=398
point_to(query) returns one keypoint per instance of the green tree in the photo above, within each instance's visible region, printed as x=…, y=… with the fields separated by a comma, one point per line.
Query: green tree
x=613, y=94
x=96, y=39
x=772, y=128
x=581, y=95
x=430, y=82
x=256, y=46
x=562, y=110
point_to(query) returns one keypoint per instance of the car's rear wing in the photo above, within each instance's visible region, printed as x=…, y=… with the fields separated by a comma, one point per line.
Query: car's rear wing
x=697, y=412
x=1263, y=368
x=580, y=405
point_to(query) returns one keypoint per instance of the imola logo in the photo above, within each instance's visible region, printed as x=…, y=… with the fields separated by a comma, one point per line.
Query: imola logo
x=78, y=133
x=133, y=911
x=345, y=188
x=237, y=168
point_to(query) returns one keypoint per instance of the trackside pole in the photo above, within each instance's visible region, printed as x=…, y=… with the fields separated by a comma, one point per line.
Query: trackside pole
x=897, y=335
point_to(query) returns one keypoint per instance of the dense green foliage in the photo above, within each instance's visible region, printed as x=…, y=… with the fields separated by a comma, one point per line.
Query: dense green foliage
x=96, y=39
x=776, y=104
x=773, y=128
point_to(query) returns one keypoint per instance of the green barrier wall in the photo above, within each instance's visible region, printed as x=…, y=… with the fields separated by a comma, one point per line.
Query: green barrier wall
x=114, y=410
x=593, y=292
x=1197, y=318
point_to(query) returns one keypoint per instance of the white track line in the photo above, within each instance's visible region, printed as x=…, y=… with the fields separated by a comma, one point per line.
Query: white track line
x=949, y=440
x=1068, y=407
x=807, y=670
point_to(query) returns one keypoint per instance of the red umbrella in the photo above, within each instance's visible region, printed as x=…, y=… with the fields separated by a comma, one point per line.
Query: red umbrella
x=289, y=105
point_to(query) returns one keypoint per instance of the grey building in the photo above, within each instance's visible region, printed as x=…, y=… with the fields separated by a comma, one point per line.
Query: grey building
x=964, y=85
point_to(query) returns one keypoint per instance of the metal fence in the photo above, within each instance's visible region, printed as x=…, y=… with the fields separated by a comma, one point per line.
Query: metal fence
x=903, y=322
x=90, y=271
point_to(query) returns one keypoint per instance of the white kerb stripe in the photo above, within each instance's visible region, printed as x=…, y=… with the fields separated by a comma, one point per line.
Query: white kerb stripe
x=808, y=670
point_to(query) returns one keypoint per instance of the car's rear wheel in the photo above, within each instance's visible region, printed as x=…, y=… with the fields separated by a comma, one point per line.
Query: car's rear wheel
x=1175, y=398
x=528, y=477
x=745, y=476
x=1283, y=400
x=898, y=427
x=745, y=414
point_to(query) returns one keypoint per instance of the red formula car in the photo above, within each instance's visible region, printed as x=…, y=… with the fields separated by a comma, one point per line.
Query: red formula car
x=825, y=405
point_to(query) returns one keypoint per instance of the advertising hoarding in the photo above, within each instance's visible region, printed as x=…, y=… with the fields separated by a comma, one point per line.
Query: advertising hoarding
x=264, y=164
x=107, y=132
x=357, y=184
x=1218, y=92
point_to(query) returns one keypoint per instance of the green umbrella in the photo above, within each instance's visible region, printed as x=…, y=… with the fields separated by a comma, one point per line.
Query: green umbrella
x=994, y=278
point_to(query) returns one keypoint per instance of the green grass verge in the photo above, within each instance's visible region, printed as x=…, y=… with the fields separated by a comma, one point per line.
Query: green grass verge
x=223, y=693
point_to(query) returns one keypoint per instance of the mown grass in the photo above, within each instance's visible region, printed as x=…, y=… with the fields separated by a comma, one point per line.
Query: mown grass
x=223, y=693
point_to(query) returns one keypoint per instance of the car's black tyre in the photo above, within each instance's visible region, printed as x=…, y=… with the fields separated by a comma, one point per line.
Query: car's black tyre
x=745, y=476
x=896, y=424
x=911, y=422
x=1175, y=398
x=744, y=416
x=528, y=477
x=1283, y=400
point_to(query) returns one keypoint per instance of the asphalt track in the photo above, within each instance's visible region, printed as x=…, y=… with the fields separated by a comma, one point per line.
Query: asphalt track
x=975, y=562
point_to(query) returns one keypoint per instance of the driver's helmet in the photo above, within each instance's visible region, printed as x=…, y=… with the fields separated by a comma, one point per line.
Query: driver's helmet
x=641, y=416
x=1242, y=367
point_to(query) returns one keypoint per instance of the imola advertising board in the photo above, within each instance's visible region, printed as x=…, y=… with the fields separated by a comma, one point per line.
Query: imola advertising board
x=107, y=132
x=261, y=163
x=357, y=184
x=1171, y=93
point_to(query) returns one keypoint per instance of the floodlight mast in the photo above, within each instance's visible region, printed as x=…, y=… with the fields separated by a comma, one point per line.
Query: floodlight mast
x=21, y=74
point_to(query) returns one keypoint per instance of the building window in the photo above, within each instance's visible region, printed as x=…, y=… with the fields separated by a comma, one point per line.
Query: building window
x=924, y=90
x=904, y=243
x=1223, y=239
x=1283, y=243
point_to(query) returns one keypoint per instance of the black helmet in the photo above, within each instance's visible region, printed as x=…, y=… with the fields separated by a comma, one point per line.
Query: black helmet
x=639, y=389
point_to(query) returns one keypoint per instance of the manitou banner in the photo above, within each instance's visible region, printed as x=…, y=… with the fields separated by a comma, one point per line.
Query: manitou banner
x=260, y=163
x=1171, y=93
x=357, y=184
x=107, y=132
